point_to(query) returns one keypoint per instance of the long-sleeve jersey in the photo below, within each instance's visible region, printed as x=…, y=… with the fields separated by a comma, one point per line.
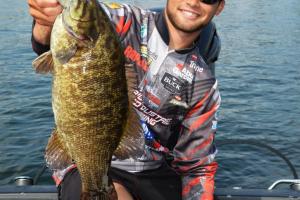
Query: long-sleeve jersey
x=176, y=98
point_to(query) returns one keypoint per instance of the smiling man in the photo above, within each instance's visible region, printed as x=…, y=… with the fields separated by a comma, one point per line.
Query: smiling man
x=176, y=99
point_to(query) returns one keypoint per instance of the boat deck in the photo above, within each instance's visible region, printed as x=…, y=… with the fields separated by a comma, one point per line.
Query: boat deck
x=48, y=192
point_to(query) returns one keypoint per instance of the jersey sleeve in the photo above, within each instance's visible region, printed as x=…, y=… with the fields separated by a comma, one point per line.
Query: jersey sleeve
x=124, y=18
x=195, y=151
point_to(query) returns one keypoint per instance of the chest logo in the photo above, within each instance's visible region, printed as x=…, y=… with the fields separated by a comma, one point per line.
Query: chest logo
x=171, y=83
x=196, y=67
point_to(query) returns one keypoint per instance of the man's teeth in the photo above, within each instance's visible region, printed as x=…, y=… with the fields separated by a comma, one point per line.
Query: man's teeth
x=189, y=14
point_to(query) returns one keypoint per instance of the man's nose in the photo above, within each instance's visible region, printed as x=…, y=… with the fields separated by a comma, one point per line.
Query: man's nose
x=193, y=2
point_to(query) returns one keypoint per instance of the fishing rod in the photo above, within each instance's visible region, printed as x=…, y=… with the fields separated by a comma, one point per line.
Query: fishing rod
x=262, y=145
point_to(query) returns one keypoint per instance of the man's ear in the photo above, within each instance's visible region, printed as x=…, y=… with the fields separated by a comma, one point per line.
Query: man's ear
x=220, y=7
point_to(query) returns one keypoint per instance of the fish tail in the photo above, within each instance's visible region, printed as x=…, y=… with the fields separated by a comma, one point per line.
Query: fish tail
x=56, y=155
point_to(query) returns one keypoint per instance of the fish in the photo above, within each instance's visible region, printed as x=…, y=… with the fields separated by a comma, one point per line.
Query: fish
x=91, y=91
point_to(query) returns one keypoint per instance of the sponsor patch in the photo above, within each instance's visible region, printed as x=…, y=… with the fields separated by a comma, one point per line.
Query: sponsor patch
x=113, y=5
x=214, y=125
x=144, y=30
x=180, y=66
x=194, y=57
x=153, y=98
x=171, y=83
x=195, y=66
x=148, y=115
x=179, y=103
x=144, y=51
x=184, y=73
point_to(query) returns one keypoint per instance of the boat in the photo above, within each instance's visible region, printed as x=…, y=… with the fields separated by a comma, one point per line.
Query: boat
x=48, y=192
x=27, y=188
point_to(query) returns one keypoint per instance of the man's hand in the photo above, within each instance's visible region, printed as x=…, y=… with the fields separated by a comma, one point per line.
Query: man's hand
x=44, y=13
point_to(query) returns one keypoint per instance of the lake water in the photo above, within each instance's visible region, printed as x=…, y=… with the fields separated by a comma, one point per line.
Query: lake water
x=258, y=72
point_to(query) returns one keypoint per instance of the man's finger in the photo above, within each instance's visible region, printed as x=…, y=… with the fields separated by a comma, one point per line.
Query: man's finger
x=52, y=11
x=44, y=23
x=48, y=11
x=41, y=18
x=47, y=3
x=32, y=4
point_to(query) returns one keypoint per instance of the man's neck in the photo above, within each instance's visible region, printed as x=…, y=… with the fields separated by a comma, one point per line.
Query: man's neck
x=181, y=40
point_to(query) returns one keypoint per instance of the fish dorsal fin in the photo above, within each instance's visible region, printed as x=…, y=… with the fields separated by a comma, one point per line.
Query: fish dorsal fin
x=132, y=142
x=56, y=155
x=44, y=63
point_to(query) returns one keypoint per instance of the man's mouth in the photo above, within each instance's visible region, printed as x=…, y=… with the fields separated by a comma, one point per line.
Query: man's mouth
x=189, y=14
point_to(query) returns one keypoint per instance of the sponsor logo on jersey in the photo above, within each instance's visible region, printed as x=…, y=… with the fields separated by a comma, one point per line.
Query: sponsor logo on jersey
x=134, y=56
x=151, y=57
x=171, y=83
x=179, y=103
x=184, y=74
x=114, y=5
x=144, y=51
x=194, y=57
x=153, y=98
x=144, y=30
x=214, y=125
x=148, y=115
x=151, y=142
x=147, y=133
x=180, y=66
x=178, y=98
x=196, y=67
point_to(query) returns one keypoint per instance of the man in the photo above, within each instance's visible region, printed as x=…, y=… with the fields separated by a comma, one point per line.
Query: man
x=176, y=98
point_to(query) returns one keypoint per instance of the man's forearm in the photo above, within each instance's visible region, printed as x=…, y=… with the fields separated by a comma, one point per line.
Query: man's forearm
x=40, y=39
x=41, y=33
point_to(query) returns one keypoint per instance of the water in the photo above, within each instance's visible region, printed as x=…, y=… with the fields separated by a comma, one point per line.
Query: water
x=259, y=77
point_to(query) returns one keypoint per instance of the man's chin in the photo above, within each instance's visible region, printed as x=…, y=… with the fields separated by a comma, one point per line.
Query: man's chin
x=188, y=29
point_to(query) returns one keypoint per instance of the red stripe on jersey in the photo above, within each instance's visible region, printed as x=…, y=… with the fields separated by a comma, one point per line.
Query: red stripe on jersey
x=126, y=27
x=200, y=147
x=119, y=26
x=203, y=118
x=208, y=183
x=184, y=169
x=198, y=105
x=187, y=188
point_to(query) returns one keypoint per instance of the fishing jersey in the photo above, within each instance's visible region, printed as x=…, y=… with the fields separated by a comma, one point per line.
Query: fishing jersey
x=176, y=98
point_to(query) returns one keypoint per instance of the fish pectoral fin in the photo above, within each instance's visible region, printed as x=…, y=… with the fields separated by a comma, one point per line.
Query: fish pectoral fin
x=44, y=63
x=56, y=154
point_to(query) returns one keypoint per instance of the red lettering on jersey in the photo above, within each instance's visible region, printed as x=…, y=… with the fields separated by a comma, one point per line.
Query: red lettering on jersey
x=134, y=56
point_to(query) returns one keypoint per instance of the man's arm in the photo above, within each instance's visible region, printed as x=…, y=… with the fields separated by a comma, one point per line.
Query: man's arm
x=44, y=13
x=195, y=150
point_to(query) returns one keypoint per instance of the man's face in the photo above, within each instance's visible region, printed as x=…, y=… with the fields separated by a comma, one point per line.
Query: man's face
x=191, y=15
